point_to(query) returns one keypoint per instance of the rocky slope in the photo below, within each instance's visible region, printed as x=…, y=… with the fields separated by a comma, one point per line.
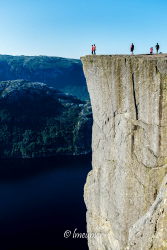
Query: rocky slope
x=126, y=191
x=39, y=121
x=62, y=73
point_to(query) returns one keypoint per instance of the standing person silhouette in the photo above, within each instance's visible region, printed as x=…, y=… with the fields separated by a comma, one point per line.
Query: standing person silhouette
x=94, y=49
x=132, y=47
x=157, y=47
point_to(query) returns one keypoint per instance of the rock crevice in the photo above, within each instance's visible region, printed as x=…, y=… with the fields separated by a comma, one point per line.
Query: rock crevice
x=134, y=96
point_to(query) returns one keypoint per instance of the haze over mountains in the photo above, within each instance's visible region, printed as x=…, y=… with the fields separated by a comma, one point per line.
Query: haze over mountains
x=62, y=73
x=36, y=118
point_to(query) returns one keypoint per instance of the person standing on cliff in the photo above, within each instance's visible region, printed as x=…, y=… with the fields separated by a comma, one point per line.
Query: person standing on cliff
x=157, y=47
x=94, y=49
x=132, y=47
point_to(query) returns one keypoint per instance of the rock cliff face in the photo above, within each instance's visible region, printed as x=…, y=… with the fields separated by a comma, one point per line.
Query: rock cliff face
x=126, y=191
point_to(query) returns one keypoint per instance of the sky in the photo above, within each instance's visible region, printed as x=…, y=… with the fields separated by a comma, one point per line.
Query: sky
x=67, y=28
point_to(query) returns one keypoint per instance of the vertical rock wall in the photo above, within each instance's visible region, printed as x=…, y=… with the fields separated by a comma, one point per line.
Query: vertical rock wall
x=129, y=101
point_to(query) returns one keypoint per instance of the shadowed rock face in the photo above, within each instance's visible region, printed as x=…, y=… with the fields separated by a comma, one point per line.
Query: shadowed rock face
x=122, y=193
x=39, y=121
x=61, y=73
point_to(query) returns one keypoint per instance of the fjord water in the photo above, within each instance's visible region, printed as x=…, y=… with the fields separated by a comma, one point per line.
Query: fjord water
x=40, y=200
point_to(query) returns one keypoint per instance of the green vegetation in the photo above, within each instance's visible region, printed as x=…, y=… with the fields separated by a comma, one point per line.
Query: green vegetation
x=38, y=121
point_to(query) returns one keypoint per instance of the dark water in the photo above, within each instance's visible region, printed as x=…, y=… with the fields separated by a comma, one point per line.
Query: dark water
x=39, y=201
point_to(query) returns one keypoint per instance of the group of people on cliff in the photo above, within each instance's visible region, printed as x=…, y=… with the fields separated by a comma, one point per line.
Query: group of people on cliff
x=132, y=47
x=93, y=49
x=157, y=47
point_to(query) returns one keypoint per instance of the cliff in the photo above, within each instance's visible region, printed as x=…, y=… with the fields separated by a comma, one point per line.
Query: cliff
x=40, y=121
x=126, y=191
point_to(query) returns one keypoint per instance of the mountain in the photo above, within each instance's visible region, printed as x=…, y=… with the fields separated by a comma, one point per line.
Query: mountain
x=63, y=74
x=38, y=121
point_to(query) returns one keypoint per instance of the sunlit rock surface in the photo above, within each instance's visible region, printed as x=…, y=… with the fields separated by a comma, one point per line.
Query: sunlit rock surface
x=126, y=207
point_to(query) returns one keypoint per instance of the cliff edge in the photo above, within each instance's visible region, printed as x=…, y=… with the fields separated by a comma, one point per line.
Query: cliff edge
x=126, y=191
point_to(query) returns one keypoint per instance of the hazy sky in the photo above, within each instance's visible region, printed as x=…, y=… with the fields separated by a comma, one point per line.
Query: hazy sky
x=67, y=28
